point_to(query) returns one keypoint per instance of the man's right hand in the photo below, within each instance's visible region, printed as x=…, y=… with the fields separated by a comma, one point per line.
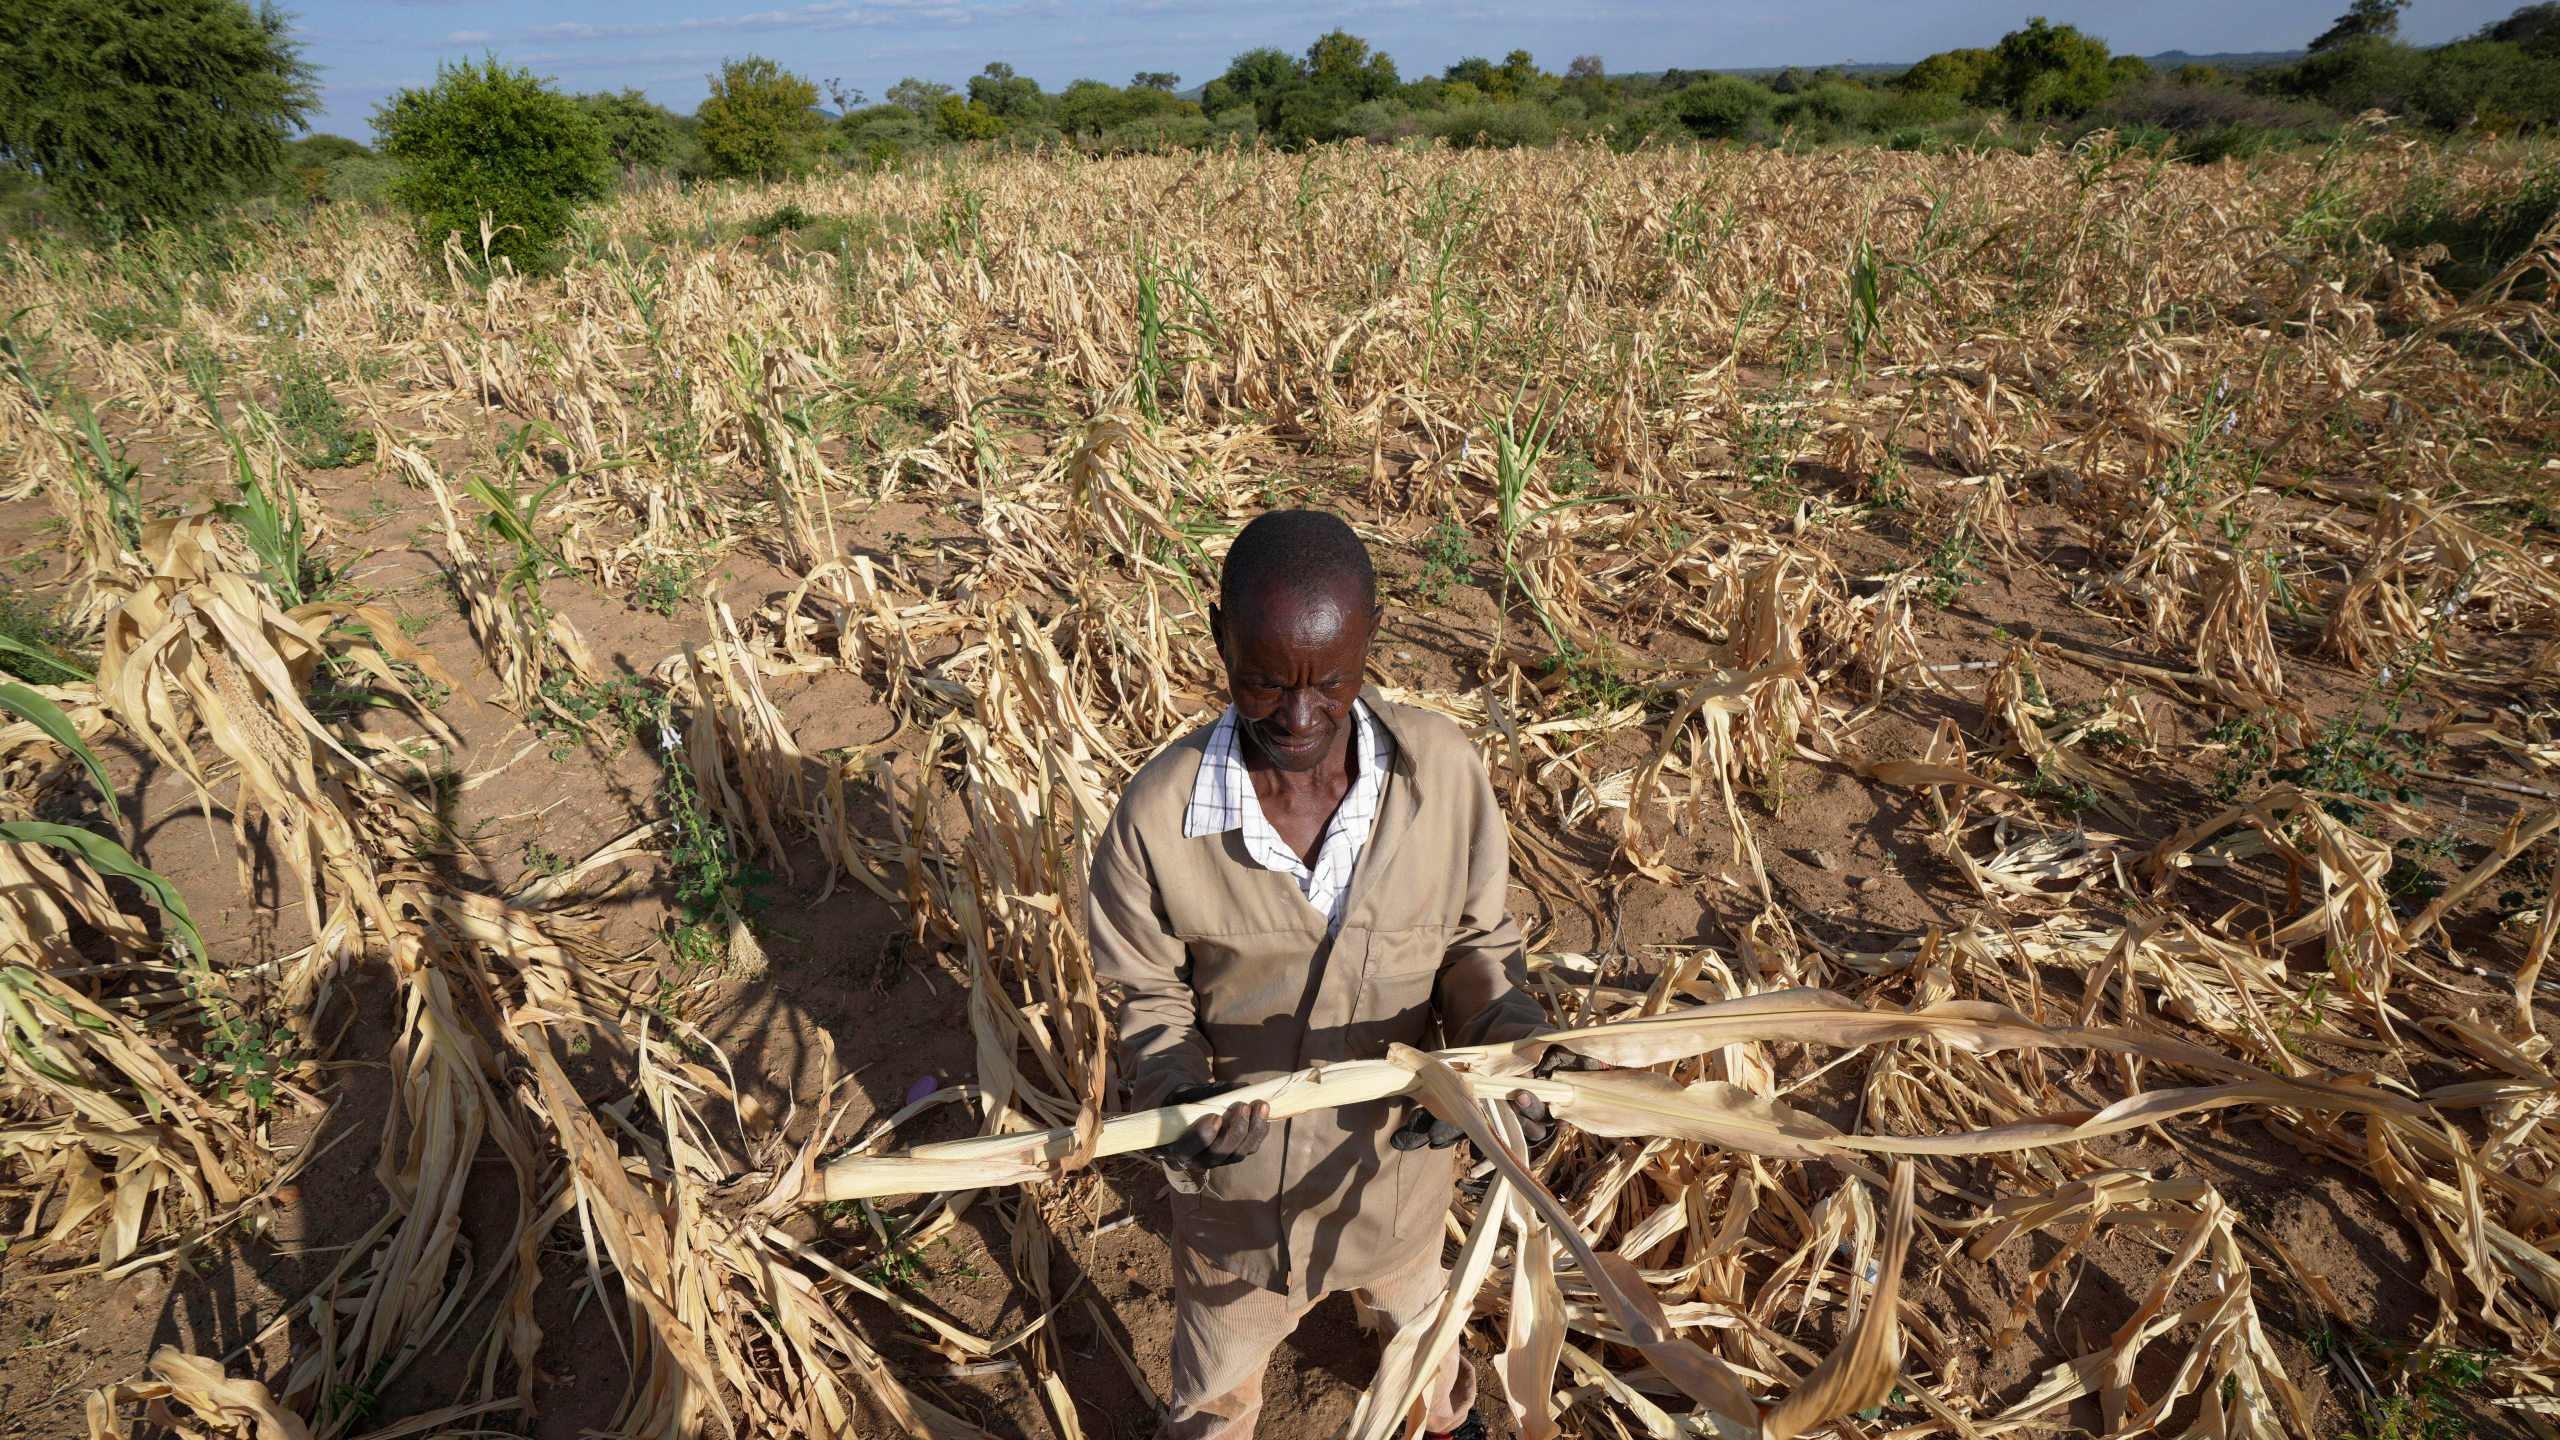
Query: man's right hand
x=1216, y=1140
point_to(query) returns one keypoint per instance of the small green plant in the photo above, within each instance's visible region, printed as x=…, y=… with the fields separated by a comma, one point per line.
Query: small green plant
x=540, y=860
x=2071, y=796
x=274, y=530
x=662, y=583
x=1773, y=433
x=1951, y=563
x=2412, y=878
x=2303, y=1015
x=779, y=219
x=33, y=645
x=2425, y=1405
x=1592, y=682
x=1448, y=560
x=98, y=464
x=315, y=426
x=577, y=707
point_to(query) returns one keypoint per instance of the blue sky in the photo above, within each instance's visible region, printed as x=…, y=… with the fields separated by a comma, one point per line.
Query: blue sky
x=368, y=48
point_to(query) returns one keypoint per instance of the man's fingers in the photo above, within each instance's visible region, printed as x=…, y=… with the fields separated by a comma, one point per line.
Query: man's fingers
x=1444, y=1134
x=1537, y=1123
x=1559, y=1058
x=1193, y=1149
x=1415, y=1132
x=1246, y=1127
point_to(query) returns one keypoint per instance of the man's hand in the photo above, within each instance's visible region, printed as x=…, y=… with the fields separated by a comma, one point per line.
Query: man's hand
x=1537, y=1123
x=1216, y=1140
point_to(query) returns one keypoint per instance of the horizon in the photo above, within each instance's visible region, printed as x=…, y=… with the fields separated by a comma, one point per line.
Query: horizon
x=367, y=49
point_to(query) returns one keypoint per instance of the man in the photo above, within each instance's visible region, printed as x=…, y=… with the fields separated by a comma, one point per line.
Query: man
x=1317, y=875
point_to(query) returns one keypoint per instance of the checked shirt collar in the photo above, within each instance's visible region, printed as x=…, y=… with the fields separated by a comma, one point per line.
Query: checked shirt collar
x=1222, y=799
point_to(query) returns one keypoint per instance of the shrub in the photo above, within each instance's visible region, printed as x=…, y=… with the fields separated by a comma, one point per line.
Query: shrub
x=638, y=134
x=759, y=122
x=159, y=112
x=1826, y=111
x=486, y=139
x=1721, y=106
x=1495, y=126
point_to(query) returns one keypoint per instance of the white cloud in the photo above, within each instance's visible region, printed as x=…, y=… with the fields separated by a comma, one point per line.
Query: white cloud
x=469, y=37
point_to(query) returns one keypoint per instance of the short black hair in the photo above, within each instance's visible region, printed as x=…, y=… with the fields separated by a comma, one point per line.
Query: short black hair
x=1307, y=551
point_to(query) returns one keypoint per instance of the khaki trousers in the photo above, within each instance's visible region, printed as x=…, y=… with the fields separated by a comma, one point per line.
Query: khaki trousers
x=1224, y=1330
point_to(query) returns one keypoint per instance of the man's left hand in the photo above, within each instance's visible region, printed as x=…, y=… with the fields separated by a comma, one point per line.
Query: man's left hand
x=1538, y=1124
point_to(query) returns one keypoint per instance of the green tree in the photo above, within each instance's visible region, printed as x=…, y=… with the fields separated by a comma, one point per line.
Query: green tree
x=960, y=119
x=141, y=111
x=2364, y=20
x=1089, y=107
x=2046, y=71
x=488, y=140
x=2533, y=28
x=1248, y=78
x=1005, y=95
x=759, y=122
x=1587, y=86
x=1164, y=80
x=1343, y=61
x=1957, y=74
x=637, y=134
x=920, y=98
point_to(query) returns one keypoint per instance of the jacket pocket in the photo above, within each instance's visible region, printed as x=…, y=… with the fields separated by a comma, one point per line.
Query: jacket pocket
x=1396, y=991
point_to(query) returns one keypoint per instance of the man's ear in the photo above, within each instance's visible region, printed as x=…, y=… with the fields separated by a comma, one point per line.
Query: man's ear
x=1218, y=631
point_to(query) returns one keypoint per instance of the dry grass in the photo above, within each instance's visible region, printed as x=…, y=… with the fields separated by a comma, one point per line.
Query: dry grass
x=2271, y=445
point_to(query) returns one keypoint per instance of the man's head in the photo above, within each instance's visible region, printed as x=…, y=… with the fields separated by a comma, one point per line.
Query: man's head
x=1297, y=608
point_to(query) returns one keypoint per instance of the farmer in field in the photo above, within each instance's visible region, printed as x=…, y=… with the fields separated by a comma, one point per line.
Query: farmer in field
x=1317, y=875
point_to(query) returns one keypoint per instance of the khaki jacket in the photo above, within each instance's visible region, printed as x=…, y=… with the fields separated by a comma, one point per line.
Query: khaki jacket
x=1228, y=976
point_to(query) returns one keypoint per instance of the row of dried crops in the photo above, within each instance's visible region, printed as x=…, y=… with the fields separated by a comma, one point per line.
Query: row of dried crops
x=1616, y=372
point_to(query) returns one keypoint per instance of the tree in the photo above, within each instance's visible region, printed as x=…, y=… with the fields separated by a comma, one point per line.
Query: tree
x=1957, y=74
x=1164, y=80
x=1089, y=107
x=920, y=98
x=1005, y=95
x=637, y=134
x=1586, y=67
x=2364, y=20
x=960, y=119
x=2533, y=28
x=1249, y=77
x=2046, y=70
x=1343, y=61
x=489, y=141
x=760, y=121
x=141, y=111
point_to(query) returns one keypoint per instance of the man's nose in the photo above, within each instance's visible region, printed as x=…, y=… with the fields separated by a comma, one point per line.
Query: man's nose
x=1302, y=709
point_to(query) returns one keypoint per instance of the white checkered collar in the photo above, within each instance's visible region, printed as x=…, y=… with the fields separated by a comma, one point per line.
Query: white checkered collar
x=1222, y=799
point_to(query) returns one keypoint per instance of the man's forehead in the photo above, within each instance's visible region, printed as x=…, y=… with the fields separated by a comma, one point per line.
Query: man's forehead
x=1293, y=602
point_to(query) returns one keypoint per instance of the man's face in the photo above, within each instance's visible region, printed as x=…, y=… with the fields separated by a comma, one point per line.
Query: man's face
x=1294, y=665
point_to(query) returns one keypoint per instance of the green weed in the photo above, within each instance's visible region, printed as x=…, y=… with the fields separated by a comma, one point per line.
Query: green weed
x=1448, y=561
x=33, y=645
x=316, y=428
x=1951, y=564
x=662, y=584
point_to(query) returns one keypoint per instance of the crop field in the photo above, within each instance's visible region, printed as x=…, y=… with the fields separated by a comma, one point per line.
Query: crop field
x=2027, y=685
